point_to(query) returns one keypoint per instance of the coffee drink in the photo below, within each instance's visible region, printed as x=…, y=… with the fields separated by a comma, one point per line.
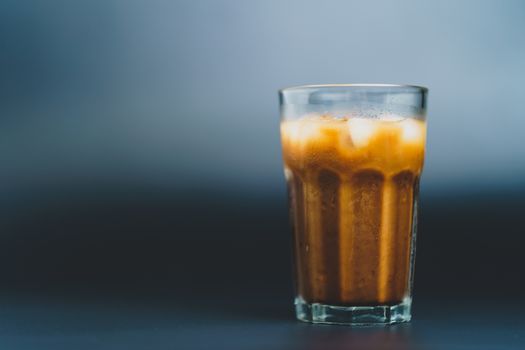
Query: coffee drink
x=352, y=184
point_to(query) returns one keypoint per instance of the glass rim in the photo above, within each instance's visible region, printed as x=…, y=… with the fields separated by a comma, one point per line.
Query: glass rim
x=356, y=85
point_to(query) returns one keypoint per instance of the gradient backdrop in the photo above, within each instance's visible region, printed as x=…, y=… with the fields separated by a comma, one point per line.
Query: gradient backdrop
x=140, y=153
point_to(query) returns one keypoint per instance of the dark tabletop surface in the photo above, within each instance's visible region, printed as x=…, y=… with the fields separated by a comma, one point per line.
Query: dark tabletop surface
x=28, y=323
x=132, y=270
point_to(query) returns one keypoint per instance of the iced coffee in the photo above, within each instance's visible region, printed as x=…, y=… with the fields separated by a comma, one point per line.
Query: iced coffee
x=352, y=184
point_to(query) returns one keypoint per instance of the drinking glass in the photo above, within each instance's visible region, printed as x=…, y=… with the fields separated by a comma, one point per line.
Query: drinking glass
x=353, y=156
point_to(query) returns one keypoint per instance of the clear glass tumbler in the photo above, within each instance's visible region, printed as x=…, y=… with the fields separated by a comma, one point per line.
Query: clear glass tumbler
x=353, y=155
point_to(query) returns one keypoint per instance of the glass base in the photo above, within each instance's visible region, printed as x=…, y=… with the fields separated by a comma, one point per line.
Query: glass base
x=353, y=315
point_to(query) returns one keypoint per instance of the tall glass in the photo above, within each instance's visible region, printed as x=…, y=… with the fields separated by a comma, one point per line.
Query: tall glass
x=353, y=155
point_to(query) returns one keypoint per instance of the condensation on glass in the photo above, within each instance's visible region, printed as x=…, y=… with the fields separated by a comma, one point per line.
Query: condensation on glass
x=353, y=156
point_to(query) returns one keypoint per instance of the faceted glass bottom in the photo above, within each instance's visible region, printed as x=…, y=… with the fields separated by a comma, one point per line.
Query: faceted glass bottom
x=353, y=315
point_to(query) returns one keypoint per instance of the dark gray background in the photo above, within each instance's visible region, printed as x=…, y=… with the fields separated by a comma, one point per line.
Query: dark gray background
x=142, y=196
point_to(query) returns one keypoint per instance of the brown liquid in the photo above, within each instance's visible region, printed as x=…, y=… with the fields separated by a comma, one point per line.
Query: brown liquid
x=352, y=185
